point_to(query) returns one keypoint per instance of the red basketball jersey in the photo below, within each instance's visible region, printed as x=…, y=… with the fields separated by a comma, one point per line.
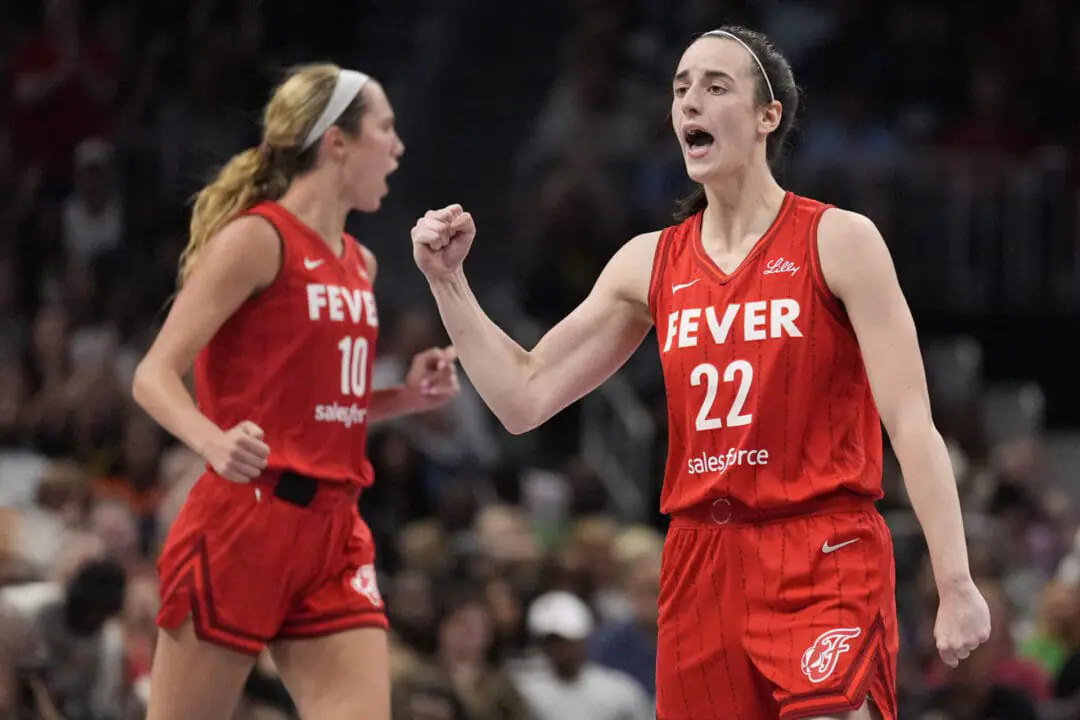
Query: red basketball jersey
x=297, y=358
x=768, y=399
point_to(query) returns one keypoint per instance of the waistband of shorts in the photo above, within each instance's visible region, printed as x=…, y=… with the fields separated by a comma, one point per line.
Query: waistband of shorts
x=306, y=491
x=728, y=511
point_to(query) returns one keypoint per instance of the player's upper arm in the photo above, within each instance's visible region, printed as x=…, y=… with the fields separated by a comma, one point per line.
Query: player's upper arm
x=242, y=259
x=859, y=270
x=593, y=341
x=370, y=265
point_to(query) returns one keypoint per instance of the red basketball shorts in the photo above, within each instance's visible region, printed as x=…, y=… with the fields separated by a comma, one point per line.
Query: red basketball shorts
x=779, y=618
x=250, y=568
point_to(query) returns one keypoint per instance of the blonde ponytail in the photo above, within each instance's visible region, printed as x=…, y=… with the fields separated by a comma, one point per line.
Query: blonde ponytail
x=235, y=189
x=264, y=173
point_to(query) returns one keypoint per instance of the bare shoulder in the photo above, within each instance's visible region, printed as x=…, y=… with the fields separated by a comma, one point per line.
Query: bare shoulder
x=629, y=271
x=850, y=246
x=370, y=264
x=247, y=249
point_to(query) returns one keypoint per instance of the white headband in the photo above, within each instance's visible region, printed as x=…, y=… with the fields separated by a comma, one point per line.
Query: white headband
x=725, y=33
x=347, y=86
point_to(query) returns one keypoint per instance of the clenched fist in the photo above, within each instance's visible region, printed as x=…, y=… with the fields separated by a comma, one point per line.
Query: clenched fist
x=963, y=623
x=239, y=454
x=441, y=240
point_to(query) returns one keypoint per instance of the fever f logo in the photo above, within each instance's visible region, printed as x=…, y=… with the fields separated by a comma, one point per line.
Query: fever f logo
x=364, y=583
x=820, y=659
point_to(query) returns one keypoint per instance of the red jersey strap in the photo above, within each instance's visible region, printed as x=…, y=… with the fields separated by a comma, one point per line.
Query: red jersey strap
x=832, y=303
x=660, y=261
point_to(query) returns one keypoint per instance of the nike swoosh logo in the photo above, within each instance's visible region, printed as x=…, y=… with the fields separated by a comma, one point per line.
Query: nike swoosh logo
x=312, y=264
x=827, y=548
x=677, y=288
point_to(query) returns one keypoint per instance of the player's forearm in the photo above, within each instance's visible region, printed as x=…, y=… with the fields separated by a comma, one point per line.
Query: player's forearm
x=496, y=365
x=931, y=486
x=390, y=403
x=161, y=393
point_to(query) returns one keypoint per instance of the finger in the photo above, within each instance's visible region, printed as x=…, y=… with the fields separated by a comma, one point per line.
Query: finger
x=246, y=457
x=256, y=448
x=461, y=221
x=454, y=210
x=948, y=657
x=251, y=429
x=433, y=228
x=433, y=238
x=445, y=214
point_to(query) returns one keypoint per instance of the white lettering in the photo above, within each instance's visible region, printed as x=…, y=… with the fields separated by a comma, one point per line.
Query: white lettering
x=721, y=330
x=355, y=302
x=347, y=415
x=688, y=327
x=341, y=304
x=782, y=316
x=372, y=312
x=734, y=457
x=672, y=329
x=754, y=320
x=316, y=299
x=761, y=320
x=780, y=265
x=337, y=308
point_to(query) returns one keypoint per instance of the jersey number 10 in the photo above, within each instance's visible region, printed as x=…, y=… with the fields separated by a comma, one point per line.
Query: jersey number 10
x=711, y=376
x=354, y=362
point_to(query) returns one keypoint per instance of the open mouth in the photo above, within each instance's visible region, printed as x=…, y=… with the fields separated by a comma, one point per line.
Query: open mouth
x=698, y=142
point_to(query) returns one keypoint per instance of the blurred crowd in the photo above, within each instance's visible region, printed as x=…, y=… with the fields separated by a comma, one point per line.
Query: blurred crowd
x=513, y=589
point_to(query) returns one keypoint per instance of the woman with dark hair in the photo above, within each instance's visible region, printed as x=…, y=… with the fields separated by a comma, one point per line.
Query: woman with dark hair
x=783, y=333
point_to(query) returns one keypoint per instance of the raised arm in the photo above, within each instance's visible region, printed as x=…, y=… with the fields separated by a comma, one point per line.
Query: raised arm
x=526, y=388
x=859, y=270
x=430, y=382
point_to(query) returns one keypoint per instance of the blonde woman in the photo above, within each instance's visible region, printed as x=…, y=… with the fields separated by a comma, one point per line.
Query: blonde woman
x=277, y=315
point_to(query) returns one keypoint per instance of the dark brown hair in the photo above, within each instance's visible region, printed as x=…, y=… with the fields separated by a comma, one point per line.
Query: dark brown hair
x=784, y=89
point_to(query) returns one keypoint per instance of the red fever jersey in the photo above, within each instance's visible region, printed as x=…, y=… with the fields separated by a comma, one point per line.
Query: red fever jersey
x=297, y=358
x=768, y=399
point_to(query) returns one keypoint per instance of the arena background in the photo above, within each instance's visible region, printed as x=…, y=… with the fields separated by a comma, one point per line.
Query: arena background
x=947, y=122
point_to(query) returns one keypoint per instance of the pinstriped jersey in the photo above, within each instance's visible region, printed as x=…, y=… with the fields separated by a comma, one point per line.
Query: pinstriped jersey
x=297, y=358
x=768, y=398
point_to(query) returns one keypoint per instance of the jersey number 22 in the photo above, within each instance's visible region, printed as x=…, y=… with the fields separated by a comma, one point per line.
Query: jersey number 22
x=739, y=370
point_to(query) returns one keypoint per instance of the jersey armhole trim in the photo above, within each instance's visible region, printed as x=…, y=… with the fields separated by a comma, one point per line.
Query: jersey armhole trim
x=659, y=265
x=359, y=251
x=267, y=213
x=832, y=303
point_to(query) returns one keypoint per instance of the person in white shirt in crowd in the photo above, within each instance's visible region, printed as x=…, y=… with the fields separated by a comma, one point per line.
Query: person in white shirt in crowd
x=562, y=684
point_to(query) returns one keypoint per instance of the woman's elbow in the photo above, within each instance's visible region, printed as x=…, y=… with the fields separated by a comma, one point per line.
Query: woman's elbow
x=141, y=383
x=518, y=423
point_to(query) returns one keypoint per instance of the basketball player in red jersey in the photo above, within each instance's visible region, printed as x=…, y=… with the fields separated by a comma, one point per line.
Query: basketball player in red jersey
x=782, y=332
x=277, y=314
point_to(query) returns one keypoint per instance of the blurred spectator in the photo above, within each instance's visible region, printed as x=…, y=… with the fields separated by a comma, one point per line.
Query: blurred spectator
x=914, y=115
x=197, y=126
x=67, y=637
x=93, y=222
x=630, y=645
x=63, y=85
x=459, y=433
x=469, y=653
x=560, y=683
